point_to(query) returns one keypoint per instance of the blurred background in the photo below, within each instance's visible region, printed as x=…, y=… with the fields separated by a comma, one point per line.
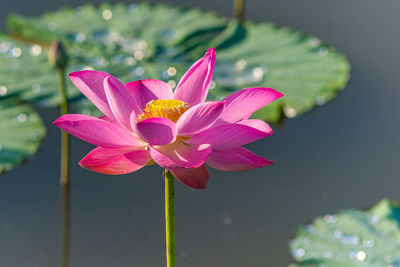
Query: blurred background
x=341, y=155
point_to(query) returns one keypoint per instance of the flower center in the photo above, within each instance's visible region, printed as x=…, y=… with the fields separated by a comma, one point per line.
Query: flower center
x=170, y=109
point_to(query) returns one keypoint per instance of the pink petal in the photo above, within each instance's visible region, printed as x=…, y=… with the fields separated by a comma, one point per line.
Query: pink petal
x=180, y=155
x=104, y=117
x=143, y=91
x=241, y=104
x=236, y=159
x=97, y=131
x=115, y=161
x=227, y=136
x=193, y=87
x=257, y=124
x=119, y=100
x=193, y=177
x=199, y=117
x=156, y=131
x=91, y=84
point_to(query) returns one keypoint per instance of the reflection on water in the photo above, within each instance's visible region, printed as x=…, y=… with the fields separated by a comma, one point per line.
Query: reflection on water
x=66, y=220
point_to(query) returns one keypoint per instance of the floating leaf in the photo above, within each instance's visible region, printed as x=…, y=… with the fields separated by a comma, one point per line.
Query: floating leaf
x=351, y=238
x=131, y=42
x=302, y=67
x=137, y=41
x=26, y=73
x=21, y=133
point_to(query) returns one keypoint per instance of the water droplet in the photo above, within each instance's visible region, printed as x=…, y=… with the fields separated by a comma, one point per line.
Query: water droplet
x=299, y=252
x=130, y=61
x=396, y=263
x=21, y=117
x=322, y=51
x=36, y=88
x=337, y=234
x=374, y=219
x=310, y=229
x=349, y=239
x=368, y=243
x=132, y=7
x=139, y=71
x=107, y=14
x=87, y=68
x=3, y=90
x=138, y=55
x=168, y=34
x=80, y=37
x=4, y=47
x=290, y=112
x=212, y=85
x=330, y=218
x=361, y=255
x=328, y=254
x=117, y=59
x=52, y=26
x=227, y=220
x=258, y=74
x=36, y=50
x=171, y=71
x=164, y=74
x=240, y=65
x=15, y=52
x=98, y=62
x=314, y=42
x=141, y=44
x=172, y=83
x=319, y=101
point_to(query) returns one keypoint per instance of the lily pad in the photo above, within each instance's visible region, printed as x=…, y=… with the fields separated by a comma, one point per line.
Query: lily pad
x=306, y=70
x=21, y=133
x=351, y=238
x=26, y=73
x=159, y=41
x=129, y=41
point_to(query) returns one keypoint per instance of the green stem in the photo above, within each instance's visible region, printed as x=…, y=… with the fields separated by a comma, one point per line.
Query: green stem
x=65, y=226
x=64, y=180
x=238, y=10
x=170, y=218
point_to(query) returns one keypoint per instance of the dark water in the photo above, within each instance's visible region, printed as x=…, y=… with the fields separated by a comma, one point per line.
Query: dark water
x=342, y=155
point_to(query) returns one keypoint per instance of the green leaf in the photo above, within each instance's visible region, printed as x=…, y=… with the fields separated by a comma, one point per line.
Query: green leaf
x=131, y=42
x=26, y=73
x=21, y=133
x=302, y=67
x=137, y=41
x=351, y=238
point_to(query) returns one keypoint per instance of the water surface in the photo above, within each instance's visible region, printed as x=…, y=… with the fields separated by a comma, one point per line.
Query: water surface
x=341, y=155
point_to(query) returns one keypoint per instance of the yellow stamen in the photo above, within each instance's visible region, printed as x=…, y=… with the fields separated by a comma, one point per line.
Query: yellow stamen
x=170, y=109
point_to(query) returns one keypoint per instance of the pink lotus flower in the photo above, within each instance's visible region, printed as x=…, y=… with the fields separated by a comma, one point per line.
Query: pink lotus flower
x=145, y=122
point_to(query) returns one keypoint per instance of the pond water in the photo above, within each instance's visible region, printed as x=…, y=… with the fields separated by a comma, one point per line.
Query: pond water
x=344, y=154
